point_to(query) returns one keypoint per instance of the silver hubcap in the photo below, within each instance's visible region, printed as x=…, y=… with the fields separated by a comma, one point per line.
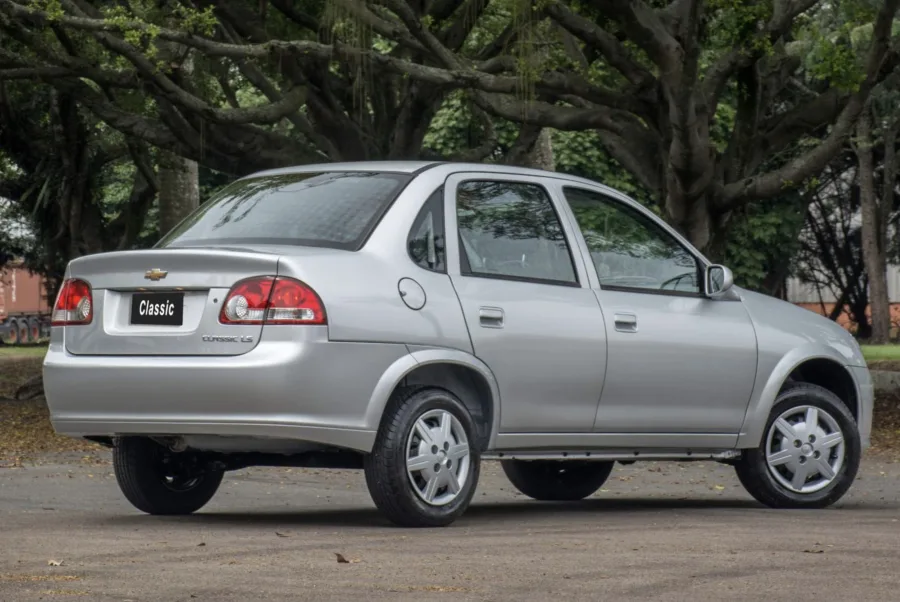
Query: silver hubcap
x=437, y=459
x=805, y=449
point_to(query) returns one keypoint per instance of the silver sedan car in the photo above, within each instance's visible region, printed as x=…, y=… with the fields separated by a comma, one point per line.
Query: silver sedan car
x=412, y=319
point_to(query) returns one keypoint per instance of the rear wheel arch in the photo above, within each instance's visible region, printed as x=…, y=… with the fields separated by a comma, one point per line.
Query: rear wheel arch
x=458, y=372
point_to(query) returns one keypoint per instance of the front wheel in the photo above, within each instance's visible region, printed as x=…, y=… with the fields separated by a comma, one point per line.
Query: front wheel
x=424, y=467
x=557, y=480
x=157, y=481
x=810, y=451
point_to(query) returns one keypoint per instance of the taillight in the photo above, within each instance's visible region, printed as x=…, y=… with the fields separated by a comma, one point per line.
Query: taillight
x=74, y=304
x=269, y=300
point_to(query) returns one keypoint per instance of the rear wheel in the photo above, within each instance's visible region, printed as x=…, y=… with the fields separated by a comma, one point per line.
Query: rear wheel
x=810, y=451
x=23, y=331
x=557, y=480
x=424, y=467
x=157, y=481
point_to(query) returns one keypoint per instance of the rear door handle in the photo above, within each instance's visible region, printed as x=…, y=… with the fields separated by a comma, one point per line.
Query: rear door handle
x=490, y=317
x=626, y=322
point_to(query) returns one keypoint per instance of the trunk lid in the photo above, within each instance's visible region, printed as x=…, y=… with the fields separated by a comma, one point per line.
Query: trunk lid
x=136, y=297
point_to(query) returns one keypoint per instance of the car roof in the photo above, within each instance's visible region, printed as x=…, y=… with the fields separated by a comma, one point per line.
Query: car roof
x=407, y=167
x=411, y=167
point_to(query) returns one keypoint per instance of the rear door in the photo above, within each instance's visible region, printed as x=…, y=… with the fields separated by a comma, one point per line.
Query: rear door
x=531, y=318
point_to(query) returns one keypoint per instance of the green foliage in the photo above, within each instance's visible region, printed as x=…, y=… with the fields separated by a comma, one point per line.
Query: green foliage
x=763, y=237
x=454, y=129
x=736, y=23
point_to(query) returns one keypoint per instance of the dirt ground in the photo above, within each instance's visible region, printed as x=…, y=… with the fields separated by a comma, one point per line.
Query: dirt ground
x=655, y=532
x=663, y=532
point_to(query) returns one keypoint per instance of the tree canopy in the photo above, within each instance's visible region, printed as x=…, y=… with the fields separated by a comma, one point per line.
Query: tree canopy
x=709, y=105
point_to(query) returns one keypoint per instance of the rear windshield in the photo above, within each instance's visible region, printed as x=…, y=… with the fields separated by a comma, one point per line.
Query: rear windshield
x=331, y=209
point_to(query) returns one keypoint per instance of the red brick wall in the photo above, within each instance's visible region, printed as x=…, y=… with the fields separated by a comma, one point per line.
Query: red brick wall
x=844, y=319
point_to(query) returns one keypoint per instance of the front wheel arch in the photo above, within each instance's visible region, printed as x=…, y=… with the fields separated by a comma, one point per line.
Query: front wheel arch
x=786, y=373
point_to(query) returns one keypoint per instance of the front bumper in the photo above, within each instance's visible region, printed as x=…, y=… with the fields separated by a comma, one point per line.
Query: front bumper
x=301, y=387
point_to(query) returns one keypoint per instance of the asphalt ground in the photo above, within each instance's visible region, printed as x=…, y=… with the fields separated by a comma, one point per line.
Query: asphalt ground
x=654, y=532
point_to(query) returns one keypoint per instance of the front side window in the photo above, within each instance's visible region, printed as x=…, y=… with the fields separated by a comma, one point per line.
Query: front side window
x=426, y=243
x=511, y=230
x=629, y=250
x=324, y=209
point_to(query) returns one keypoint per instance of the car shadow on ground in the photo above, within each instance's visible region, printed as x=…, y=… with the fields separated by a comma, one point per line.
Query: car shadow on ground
x=477, y=514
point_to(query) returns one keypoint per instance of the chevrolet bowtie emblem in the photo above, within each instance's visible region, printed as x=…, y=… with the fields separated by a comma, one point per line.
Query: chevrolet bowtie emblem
x=155, y=274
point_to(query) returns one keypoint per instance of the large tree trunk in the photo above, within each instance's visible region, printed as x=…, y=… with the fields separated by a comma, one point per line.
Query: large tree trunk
x=874, y=254
x=179, y=190
x=179, y=184
x=533, y=148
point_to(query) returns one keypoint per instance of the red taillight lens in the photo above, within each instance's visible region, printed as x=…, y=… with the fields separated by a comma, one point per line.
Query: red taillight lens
x=74, y=304
x=268, y=300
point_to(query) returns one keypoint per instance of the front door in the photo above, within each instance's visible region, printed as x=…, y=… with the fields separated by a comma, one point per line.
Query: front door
x=679, y=362
x=532, y=318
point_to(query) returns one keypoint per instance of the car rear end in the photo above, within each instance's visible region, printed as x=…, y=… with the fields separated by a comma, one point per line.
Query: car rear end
x=207, y=335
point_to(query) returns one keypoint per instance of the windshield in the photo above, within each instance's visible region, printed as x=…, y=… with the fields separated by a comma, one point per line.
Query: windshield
x=330, y=209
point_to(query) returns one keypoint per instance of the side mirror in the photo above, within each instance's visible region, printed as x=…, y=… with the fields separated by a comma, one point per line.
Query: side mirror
x=717, y=281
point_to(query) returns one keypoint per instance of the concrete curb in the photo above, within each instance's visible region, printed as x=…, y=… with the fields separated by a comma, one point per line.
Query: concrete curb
x=885, y=380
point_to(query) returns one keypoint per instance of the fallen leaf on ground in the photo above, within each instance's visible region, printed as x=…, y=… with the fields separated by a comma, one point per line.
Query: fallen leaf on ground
x=281, y=534
x=343, y=560
x=814, y=551
x=54, y=563
x=201, y=544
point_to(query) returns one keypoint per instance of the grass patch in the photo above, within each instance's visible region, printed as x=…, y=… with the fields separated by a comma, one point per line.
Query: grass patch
x=22, y=351
x=878, y=353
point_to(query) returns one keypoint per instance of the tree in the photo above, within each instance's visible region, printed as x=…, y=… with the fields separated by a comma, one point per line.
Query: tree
x=877, y=212
x=650, y=78
x=75, y=186
x=237, y=112
x=830, y=258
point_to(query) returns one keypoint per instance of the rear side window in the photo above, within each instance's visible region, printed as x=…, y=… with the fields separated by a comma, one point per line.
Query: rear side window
x=510, y=230
x=333, y=209
x=426, y=243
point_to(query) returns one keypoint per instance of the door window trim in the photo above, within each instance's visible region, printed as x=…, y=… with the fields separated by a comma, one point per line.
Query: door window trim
x=437, y=199
x=627, y=207
x=462, y=257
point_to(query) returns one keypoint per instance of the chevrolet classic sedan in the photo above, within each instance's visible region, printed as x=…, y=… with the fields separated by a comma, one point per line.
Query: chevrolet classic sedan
x=412, y=319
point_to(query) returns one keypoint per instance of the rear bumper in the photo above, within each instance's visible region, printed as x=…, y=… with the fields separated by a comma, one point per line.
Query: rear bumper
x=301, y=388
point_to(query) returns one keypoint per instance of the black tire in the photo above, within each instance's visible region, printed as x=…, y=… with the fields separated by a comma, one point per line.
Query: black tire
x=140, y=468
x=390, y=486
x=557, y=480
x=753, y=470
x=34, y=330
x=12, y=335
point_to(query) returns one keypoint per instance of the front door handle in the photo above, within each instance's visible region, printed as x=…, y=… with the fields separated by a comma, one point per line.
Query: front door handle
x=626, y=322
x=490, y=317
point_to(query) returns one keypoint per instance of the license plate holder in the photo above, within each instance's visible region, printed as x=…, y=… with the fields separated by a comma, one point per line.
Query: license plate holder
x=157, y=309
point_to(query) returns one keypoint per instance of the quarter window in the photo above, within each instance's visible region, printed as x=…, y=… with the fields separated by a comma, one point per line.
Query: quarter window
x=629, y=250
x=426, y=242
x=510, y=230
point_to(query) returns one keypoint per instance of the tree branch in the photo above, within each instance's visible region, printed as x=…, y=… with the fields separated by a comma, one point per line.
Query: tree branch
x=593, y=35
x=791, y=175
